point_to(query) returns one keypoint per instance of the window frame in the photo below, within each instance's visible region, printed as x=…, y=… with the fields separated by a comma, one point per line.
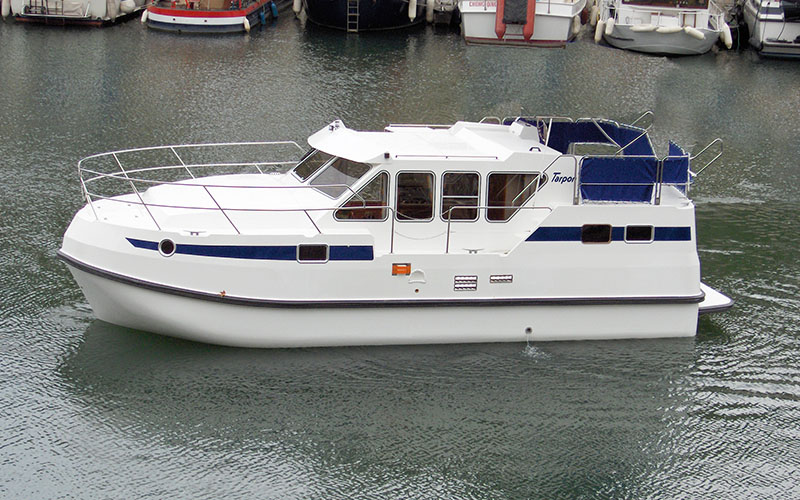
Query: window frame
x=313, y=261
x=539, y=183
x=397, y=194
x=477, y=197
x=329, y=164
x=388, y=198
x=639, y=242
x=308, y=154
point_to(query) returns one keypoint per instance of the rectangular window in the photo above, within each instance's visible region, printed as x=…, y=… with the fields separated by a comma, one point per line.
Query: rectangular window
x=339, y=175
x=639, y=233
x=369, y=203
x=596, y=233
x=312, y=253
x=460, y=189
x=508, y=192
x=414, y=196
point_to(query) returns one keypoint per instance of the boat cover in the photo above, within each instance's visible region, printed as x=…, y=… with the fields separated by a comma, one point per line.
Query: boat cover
x=562, y=134
x=618, y=178
x=676, y=167
x=515, y=11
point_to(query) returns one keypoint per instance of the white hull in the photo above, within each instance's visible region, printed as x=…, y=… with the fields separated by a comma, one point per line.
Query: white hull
x=553, y=23
x=660, y=30
x=217, y=322
x=300, y=259
x=770, y=34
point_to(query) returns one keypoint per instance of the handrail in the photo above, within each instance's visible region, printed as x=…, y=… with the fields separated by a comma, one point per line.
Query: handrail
x=88, y=176
x=691, y=158
x=200, y=145
x=482, y=207
x=641, y=117
x=99, y=175
x=489, y=119
x=133, y=186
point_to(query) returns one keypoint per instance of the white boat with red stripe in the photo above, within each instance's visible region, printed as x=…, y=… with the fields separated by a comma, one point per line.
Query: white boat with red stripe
x=209, y=16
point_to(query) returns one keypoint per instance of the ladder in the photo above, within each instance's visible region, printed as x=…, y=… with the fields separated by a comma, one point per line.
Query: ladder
x=352, y=16
x=44, y=7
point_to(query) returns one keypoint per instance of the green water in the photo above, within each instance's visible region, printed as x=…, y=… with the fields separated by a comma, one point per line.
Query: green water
x=90, y=410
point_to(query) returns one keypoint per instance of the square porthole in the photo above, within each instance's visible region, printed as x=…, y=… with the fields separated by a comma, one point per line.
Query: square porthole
x=639, y=234
x=312, y=253
x=596, y=233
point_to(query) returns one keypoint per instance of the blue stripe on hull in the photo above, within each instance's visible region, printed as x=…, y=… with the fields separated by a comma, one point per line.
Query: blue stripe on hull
x=274, y=252
x=568, y=233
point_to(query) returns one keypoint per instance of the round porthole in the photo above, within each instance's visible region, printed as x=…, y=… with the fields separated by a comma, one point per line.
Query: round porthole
x=166, y=247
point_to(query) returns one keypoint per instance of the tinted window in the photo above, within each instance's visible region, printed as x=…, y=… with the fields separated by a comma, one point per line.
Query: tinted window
x=338, y=175
x=639, y=233
x=368, y=199
x=316, y=253
x=414, y=196
x=508, y=192
x=460, y=189
x=596, y=233
x=310, y=163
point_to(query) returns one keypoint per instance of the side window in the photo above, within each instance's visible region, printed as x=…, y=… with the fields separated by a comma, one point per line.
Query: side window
x=310, y=163
x=340, y=174
x=508, y=192
x=460, y=189
x=596, y=233
x=369, y=202
x=414, y=196
x=639, y=234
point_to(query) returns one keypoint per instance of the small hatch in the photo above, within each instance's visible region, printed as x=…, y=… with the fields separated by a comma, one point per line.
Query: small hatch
x=312, y=253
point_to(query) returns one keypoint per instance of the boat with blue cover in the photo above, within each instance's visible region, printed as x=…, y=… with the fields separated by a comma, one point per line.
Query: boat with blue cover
x=528, y=228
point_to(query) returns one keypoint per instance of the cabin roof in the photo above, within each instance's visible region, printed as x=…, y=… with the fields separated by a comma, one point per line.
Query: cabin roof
x=409, y=142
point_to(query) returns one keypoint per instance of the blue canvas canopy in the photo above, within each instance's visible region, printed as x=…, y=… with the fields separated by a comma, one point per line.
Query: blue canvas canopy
x=618, y=178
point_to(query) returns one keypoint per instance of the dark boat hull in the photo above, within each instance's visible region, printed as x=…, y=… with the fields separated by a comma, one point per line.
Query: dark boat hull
x=372, y=14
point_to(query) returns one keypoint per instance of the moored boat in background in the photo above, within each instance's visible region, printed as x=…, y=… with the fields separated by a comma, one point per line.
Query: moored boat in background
x=542, y=23
x=658, y=27
x=773, y=26
x=366, y=15
x=209, y=16
x=80, y=12
x=536, y=228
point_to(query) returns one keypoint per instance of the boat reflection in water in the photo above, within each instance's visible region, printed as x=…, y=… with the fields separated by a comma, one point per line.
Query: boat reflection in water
x=385, y=418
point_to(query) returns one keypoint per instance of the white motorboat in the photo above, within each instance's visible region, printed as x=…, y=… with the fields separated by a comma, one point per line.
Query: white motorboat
x=475, y=232
x=774, y=26
x=542, y=23
x=674, y=27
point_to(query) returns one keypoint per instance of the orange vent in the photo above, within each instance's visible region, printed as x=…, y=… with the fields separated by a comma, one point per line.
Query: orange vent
x=401, y=269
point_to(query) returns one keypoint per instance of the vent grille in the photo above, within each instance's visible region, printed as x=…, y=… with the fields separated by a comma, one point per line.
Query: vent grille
x=501, y=278
x=465, y=283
